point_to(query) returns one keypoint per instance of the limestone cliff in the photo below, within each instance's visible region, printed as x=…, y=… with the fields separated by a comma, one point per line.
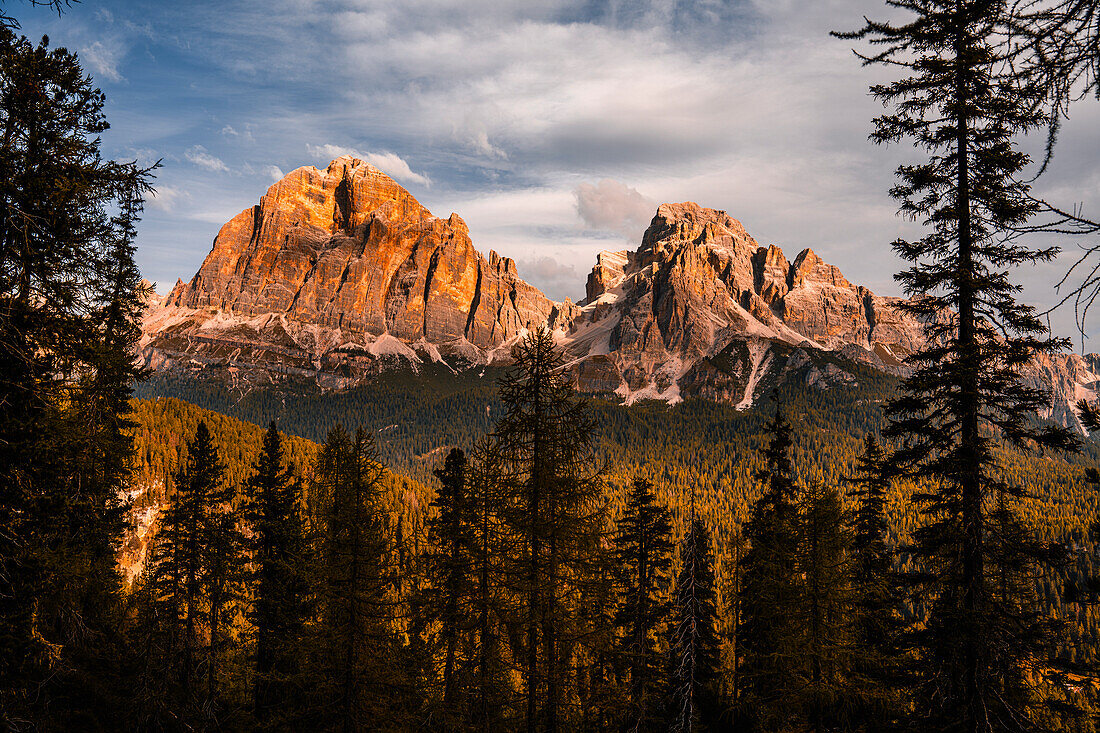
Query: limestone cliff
x=699, y=281
x=334, y=274
x=347, y=248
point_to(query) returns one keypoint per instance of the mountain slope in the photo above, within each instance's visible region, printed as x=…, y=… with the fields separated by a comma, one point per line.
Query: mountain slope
x=164, y=426
x=334, y=269
x=338, y=274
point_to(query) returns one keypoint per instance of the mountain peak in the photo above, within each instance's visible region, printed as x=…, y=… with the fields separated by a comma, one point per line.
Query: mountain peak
x=334, y=271
x=688, y=223
x=809, y=268
x=338, y=199
x=692, y=212
x=350, y=250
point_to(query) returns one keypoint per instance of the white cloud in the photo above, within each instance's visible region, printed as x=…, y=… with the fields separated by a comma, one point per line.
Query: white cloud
x=203, y=159
x=536, y=227
x=275, y=172
x=216, y=216
x=612, y=205
x=552, y=277
x=391, y=164
x=103, y=59
x=230, y=131
x=165, y=198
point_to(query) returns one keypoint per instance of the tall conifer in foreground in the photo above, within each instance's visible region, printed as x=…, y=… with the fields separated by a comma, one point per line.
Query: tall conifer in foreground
x=877, y=595
x=1056, y=44
x=643, y=554
x=963, y=106
x=353, y=645
x=224, y=587
x=824, y=674
x=490, y=688
x=733, y=590
x=451, y=574
x=770, y=646
x=554, y=513
x=693, y=648
x=180, y=566
x=280, y=590
x=70, y=304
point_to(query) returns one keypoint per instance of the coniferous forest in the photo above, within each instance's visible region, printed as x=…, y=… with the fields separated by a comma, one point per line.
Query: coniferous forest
x=499, y=553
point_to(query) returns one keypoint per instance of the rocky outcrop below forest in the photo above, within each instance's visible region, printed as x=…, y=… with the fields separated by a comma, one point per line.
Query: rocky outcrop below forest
x=341, y=273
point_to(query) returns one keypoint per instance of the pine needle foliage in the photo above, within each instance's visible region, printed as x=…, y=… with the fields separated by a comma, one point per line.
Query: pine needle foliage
x=190, y=577
x=643, y=555
x=824, y=683
x=447, y=604
x=554, y=512
x=878, y=598
x=490, y=689
x=961, y=105
x=70, y=304
x=280, y=597
x=770, y=647
x=694, y=648
x=353, y=685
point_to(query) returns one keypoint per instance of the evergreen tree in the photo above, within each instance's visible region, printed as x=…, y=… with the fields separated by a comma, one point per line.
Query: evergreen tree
x=545, y=441
x=1089, y=414
x=733, y=590
x=877, y=595
x=154, y=700
x=694, y=645
x=280, y=603
x=10, y=23
x=223, y=548
x=354, y=645
x=963, y=105
x=450, y=562
x=770, y=646
x=598, y=669
x=180, y=565
x=825, y=616
x=643, y=552
x=490, y=688
x=1055, y=44
x=69, y=311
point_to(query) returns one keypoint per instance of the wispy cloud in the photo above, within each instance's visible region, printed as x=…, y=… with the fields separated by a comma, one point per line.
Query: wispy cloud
x=203, y=159
x=232, y=132
x=104, y=59
x=165, y=198
x=391, y=164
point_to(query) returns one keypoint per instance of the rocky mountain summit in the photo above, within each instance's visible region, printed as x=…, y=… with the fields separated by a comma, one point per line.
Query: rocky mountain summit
x=335, y=266
x=339, y=273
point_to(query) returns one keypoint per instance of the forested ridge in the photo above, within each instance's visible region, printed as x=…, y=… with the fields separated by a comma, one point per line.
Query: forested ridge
x=697, y=449
x=698, y=445
x=701, y=464
x=164, y=427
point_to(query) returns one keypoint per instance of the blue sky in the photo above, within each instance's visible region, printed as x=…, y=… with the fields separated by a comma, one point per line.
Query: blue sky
x=553, y=128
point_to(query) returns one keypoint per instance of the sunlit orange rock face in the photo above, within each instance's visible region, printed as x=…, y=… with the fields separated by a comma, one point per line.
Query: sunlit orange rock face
x=347, y=248
x=698, y=274
x=338, y=274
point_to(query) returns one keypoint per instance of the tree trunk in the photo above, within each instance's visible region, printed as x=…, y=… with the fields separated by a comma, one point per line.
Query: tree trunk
x=971, y=490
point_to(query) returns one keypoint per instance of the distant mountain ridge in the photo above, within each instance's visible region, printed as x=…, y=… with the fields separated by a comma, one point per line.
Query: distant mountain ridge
x=337, y=274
